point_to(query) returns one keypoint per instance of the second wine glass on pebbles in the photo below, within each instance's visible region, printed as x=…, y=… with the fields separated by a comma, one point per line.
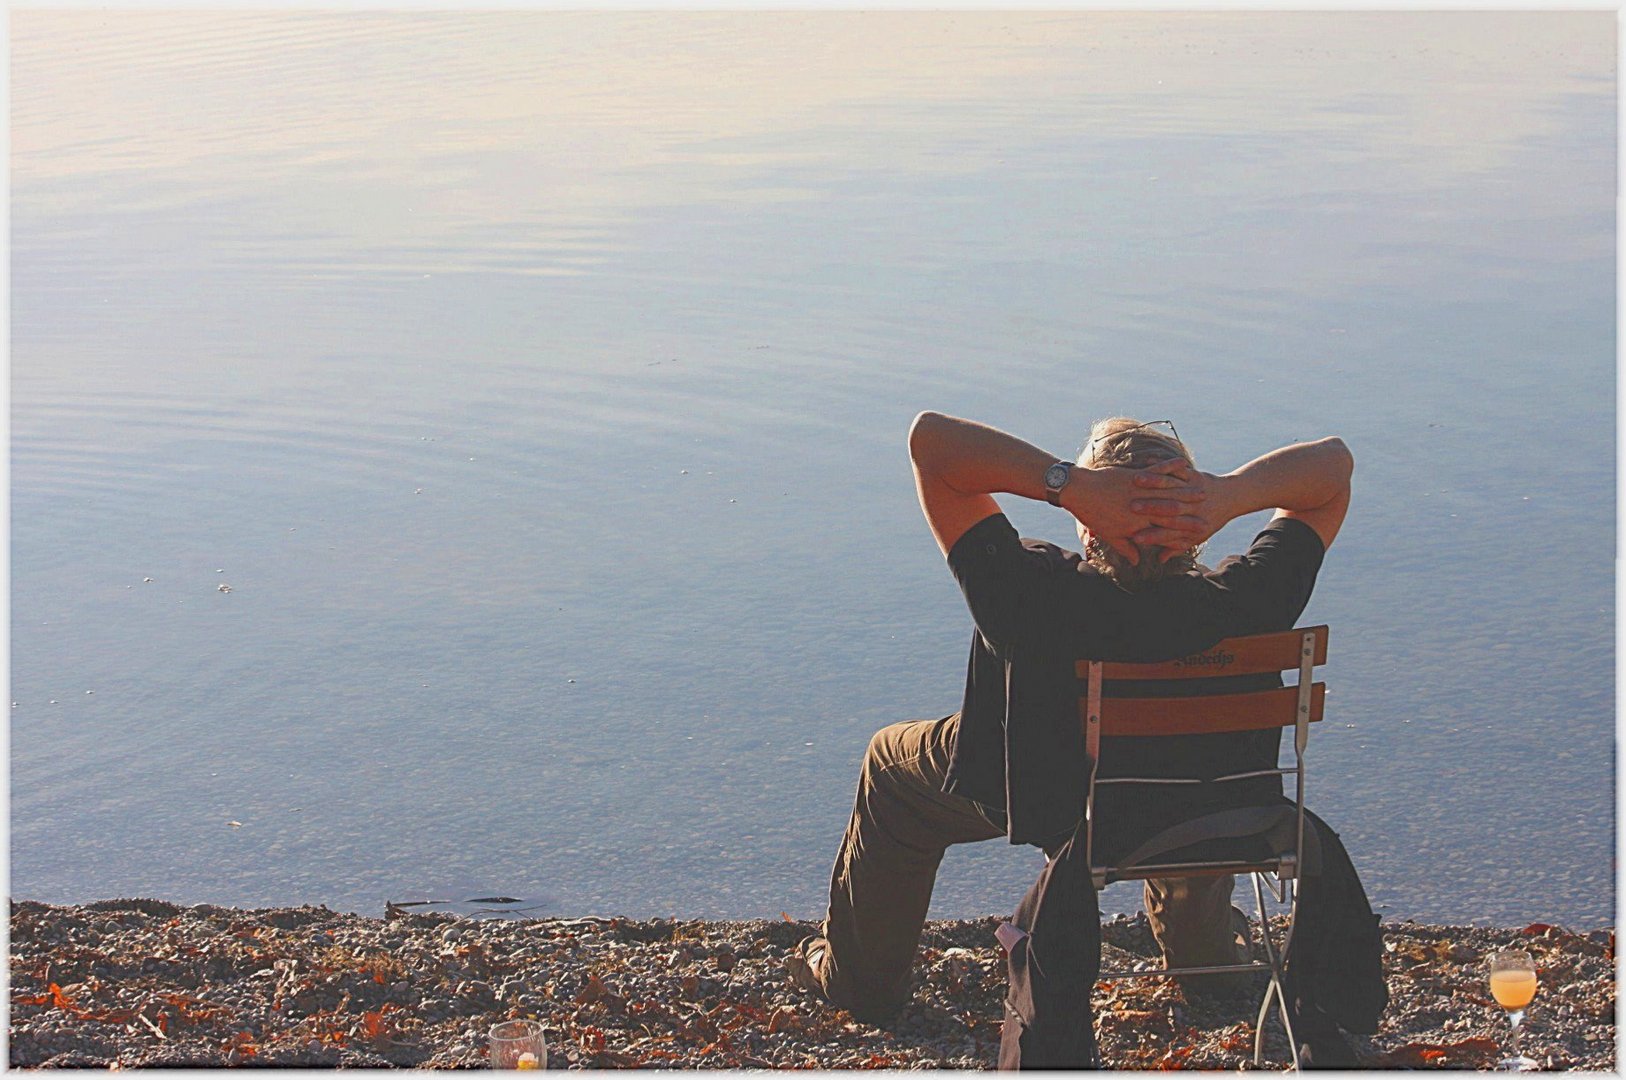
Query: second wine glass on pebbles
x=518, y=1044
x=1513, y=985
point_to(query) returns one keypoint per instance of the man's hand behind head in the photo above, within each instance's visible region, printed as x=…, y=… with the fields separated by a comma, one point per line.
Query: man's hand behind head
x=1308, y=481
x=1112, y=503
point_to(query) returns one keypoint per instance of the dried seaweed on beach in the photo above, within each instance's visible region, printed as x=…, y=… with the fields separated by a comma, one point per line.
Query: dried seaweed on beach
x=145, y=983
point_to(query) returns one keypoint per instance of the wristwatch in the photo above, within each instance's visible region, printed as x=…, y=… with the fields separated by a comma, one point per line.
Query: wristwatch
x=1055, y=478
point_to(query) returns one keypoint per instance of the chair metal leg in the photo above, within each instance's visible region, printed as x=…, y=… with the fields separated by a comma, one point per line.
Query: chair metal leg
x=1274, y=990
x=1259, y=1024
x=1287, y=1023
x=1270, y=991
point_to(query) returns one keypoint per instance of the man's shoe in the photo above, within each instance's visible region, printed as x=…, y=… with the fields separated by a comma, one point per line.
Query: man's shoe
x=1322, y=1046
x=1327, y=1051
x=803, y=963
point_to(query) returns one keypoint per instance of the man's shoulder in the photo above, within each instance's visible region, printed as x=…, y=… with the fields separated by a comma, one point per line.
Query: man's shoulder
x=1267, y=587
x=1284, y=538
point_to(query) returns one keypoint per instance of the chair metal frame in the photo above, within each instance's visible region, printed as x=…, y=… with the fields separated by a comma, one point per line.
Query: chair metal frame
x=1305, y=648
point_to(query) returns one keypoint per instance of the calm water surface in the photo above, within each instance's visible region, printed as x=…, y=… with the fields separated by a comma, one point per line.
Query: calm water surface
x=537, y=382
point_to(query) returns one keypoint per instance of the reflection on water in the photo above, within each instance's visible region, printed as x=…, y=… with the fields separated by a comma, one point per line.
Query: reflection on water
x=537, y=384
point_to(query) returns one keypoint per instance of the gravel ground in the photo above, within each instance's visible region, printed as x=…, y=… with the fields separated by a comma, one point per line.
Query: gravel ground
x=127, y=983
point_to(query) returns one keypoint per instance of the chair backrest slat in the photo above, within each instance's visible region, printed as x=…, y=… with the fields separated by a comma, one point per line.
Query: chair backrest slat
x=1253, y=711
x=1234, y=656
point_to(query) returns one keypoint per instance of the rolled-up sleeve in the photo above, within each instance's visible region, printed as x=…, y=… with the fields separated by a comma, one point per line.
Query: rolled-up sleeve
x=1268, y=588
x=993, y=569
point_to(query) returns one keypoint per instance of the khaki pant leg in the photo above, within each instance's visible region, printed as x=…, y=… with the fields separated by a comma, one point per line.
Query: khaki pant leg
x=1191, y=920
x=881, y=886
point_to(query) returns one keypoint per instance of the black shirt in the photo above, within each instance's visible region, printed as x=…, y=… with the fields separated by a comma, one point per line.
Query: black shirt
x=1039, y=608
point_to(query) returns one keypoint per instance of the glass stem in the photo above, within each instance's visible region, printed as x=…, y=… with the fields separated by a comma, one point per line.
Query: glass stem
x=1516, y=1018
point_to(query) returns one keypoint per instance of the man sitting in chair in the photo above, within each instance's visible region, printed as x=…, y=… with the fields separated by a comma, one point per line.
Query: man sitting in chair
x=1011, y=762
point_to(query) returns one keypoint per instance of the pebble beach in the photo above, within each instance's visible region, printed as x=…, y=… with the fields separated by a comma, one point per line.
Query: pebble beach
x=145, y=983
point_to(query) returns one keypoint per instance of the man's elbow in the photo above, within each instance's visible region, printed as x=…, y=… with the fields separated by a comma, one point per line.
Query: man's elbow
x=1344, y=460
x=923, y=433
x=1345, y=457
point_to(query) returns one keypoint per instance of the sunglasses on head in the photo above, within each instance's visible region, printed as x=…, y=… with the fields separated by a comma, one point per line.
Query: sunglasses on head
x=1150, y=424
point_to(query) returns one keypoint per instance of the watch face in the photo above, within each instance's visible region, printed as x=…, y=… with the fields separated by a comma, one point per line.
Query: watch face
x=1056, y=475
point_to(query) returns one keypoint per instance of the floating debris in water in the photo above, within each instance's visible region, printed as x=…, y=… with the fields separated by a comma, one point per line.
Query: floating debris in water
x=220, y=571
x=223, y=587
x=235, y=824
x=146, y=579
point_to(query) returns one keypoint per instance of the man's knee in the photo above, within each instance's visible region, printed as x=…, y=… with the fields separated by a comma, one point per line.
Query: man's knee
x=899, y=757
x=880, y=748
x=892, y=744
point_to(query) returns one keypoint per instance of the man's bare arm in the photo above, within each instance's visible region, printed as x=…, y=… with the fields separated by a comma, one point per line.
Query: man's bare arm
x=1309, y=481
x=960, y=464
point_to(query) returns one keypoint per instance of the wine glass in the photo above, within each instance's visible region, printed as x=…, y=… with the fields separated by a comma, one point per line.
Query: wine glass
x=518, y=1044
x=1513, y=985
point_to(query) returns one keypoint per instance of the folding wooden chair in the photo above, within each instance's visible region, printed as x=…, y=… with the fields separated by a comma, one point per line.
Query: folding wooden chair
x=1281, y=825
